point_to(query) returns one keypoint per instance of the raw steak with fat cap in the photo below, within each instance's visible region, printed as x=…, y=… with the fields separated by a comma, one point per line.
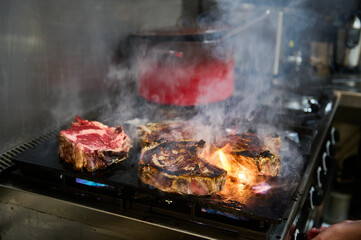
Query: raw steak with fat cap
x=91, y=145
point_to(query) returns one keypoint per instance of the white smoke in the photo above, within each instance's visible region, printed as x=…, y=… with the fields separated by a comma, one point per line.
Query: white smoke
x=256, y=101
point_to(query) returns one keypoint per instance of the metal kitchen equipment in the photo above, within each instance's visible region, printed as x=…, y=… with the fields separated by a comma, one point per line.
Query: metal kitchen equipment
x=184, y=67
x=54, y=68
x=187, y=66
x=348, y=45
x=281, y=212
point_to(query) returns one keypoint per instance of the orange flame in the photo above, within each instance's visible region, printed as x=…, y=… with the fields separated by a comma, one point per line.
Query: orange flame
x=242, y=174
x=225, y=163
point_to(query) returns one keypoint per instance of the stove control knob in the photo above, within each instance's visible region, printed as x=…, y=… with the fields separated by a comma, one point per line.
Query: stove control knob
x=312, y=191
x=315, y=197
x=298, y=235
x=335, y=135
x=326, y=163
x=321, y=176
x=330, y=148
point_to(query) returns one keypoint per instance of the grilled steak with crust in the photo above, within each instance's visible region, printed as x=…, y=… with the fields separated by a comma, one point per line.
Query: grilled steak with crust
x=175, y=166
x=170, y=131
x=91, y=145
x=249, y=147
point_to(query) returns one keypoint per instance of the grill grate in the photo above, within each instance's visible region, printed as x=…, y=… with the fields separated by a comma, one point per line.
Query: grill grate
x=5, y=158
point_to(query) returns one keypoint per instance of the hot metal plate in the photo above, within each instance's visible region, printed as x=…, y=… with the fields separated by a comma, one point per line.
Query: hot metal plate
x=269, y=207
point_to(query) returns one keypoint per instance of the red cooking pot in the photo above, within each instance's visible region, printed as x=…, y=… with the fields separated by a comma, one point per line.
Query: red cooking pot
x=184, y=67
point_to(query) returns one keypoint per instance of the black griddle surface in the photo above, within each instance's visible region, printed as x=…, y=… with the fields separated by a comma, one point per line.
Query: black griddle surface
x=45, y=155
x=268, y=207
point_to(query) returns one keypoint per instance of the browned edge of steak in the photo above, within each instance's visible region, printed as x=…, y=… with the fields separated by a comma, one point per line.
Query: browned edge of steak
x=184, y=185
x=204, y=179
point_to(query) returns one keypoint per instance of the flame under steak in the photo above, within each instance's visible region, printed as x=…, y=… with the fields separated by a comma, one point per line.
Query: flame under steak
x=249, y=147
x=91, y=145
x=175, y=166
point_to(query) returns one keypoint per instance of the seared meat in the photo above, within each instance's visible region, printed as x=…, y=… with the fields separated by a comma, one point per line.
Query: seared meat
x=91, y=145
x=248, y=147
x=175, y=166
x=170, y=131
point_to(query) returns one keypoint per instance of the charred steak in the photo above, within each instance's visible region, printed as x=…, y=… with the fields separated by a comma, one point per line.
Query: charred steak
x=248, y=147
x=91, y=145
x=170, y=131
x=175, y=166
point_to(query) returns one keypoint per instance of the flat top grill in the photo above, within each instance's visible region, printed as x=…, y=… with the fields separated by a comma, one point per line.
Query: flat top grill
x=302, y=126
x=269, y=207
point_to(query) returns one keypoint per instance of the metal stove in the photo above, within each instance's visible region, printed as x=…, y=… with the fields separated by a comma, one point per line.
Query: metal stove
x=112, y=203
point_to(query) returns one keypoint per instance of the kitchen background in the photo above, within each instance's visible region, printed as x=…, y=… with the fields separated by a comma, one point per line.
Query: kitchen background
x=59, y=59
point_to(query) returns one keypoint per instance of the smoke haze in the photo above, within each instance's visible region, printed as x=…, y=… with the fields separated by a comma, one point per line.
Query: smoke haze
x=258, y=95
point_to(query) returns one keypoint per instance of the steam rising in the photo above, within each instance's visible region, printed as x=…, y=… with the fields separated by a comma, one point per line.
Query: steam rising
x=256, y=102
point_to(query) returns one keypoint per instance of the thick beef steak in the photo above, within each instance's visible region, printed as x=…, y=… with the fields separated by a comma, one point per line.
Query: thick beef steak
x=248, y=147
x=175, y=166
x=91, y=145
x=170, y=131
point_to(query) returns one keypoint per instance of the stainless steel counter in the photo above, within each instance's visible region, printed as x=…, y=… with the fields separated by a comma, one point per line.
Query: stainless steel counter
x=350, y=99
x=27, y=215
x=349, y=109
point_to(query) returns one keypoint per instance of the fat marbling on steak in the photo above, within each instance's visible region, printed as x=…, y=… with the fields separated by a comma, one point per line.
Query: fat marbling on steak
x=176, y=167
x=91, y=145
